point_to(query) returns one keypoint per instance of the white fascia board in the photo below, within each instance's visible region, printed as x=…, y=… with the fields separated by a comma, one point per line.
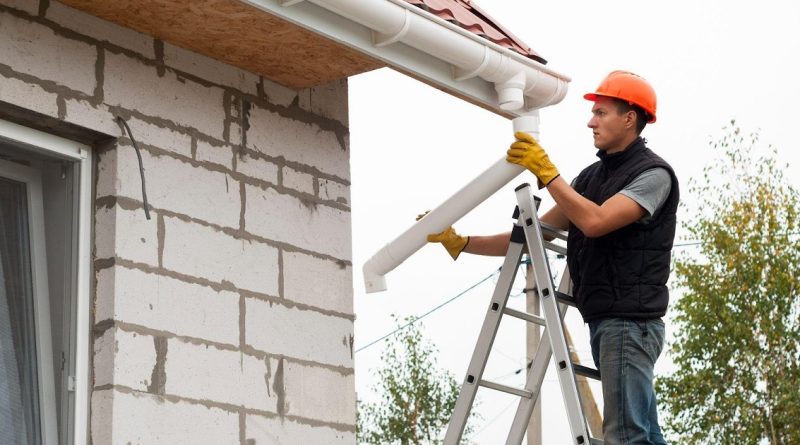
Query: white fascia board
x=404, y=58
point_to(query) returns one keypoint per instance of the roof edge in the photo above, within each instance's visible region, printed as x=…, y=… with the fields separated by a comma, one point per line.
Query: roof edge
x=416, y=41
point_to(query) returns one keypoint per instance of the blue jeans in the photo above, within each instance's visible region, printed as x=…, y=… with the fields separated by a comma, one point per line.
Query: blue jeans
x=625, y=352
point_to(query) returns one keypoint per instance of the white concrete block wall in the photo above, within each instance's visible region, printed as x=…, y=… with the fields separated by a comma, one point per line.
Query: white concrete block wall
x=298, y=180
x=334, y=191
x=125, y=234
x=124, y=358
x=216, y=154
x=318, y=282
x=204, y=252
x=273, y=431
x=328, y=100
x=85, y=114
x=298, y=333
x=128, y=417
x=181, y=101
x=220, y=318
x=207, y=373
x=177, y=185
x=100, y=29
x=169, y=305
x=37, y=50
x=210, y=69
x=29, y=6
x=325, y=229
x=27, y=95
x=335, y=404
x=258, y=168
x=161, y=137
x=297, y=141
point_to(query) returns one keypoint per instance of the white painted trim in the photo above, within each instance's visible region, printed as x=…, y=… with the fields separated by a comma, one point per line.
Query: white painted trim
x=81, y=154
x=32, y=179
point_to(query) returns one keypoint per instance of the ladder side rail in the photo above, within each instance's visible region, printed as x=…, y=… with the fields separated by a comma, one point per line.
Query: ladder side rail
x=550, y=309
x=535, y=378
x=480, y=355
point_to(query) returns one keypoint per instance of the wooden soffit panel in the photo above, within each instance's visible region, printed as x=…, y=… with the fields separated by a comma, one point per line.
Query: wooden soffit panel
x=237, y=34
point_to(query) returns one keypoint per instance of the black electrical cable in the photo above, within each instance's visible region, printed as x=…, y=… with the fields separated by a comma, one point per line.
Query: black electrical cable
x=416, y=319
x=141, y=167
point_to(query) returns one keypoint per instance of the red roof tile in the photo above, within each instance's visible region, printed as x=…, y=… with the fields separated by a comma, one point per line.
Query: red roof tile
x=466, y=14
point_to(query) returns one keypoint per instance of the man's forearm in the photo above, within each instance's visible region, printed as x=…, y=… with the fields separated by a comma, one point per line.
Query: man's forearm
x=492, y=245
x=592, y=219
x=497, y=245
x=579, y=210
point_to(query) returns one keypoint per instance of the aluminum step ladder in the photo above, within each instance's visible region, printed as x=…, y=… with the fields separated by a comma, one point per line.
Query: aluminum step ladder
x=527, y=230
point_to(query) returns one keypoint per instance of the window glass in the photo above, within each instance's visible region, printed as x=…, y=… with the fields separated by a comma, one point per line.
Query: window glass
x=19, y=395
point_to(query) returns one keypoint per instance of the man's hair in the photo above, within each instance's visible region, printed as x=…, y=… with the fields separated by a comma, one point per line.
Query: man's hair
x=641, y=116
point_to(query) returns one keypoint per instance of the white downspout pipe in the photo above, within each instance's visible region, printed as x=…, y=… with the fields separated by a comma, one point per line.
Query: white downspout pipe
x=447, y=213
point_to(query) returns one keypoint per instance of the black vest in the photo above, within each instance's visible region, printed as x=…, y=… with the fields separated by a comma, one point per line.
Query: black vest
x=623, y=273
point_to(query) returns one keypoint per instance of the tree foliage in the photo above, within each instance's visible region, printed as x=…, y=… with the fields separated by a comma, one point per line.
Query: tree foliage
x=416, y=398
x=738, y=320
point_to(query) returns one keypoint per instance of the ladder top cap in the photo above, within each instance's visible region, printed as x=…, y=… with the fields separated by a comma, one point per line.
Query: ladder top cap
x=522, y=186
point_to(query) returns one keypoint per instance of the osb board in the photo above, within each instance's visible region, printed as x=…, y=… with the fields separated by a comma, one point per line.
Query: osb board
x=238, y=34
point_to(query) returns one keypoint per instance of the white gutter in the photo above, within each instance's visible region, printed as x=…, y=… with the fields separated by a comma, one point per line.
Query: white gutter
x=519, y=81
x=523, y=86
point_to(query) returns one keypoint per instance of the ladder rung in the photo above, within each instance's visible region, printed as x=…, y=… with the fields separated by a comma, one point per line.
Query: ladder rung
x=550, y=230
x=555, y=248
x=525, y=316
x=586, y=371
x=565, y=298
x=506, y=389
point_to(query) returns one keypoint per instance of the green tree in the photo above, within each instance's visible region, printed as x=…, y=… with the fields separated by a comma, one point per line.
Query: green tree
x=416, y=398
x=738, y=320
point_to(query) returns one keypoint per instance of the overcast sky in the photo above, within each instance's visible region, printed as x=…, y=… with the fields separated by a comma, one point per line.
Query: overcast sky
x=413, y=146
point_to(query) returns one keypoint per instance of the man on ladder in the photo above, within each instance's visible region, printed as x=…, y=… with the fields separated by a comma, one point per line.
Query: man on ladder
x=620, y=213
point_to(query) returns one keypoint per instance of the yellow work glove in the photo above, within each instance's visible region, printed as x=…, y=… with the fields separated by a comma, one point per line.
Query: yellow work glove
x=529, y=154
x=449, y=238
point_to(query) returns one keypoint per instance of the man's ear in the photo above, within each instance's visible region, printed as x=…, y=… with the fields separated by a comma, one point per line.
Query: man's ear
x=630, y=119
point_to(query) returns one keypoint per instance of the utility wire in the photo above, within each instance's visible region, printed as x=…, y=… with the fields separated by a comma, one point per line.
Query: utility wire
x=697, y=243
x=416, y=319
x=524, y=261
x=503, y=411
x=141, y=166
x=461, y=294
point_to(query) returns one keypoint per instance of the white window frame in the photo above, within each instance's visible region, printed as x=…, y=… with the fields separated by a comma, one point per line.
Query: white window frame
x=81, y=154
x=41, y=295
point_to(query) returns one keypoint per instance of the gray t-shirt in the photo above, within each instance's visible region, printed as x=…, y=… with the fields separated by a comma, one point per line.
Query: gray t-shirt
x=650, y=190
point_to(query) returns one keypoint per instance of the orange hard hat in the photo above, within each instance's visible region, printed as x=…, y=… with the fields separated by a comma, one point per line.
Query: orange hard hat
x=629, y=87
